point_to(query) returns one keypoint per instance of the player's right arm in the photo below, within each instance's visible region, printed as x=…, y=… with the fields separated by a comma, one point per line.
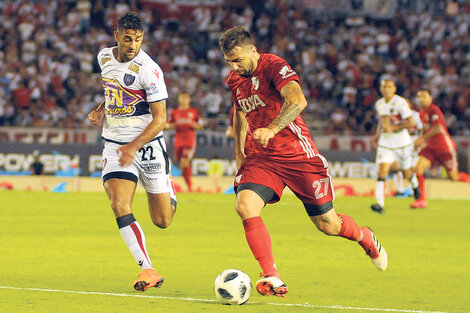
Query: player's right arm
x=96, y=116
x=240, y=128
x=423, y=139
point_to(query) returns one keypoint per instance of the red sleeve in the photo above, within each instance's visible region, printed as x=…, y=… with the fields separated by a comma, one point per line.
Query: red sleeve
x=231, y=84
x=436, y=116
x=280, y=73
x=172, y=116
x=197, y=115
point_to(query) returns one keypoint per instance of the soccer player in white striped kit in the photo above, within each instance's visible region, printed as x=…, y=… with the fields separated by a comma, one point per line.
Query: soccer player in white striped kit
x=394, y=141
x=134, y=114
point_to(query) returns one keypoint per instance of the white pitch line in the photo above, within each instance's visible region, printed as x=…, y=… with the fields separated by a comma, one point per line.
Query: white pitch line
x=303, y=305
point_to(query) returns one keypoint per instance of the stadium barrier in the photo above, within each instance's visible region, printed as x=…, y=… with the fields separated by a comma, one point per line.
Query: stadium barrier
x=437, y=188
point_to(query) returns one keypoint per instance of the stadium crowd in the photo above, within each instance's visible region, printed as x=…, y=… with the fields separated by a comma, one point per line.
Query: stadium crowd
x=49, y=74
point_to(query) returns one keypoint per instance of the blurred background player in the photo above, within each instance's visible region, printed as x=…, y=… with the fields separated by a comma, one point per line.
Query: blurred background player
x=134, y=113
x=437, y=147
x=185, y=120
x=37, y=166
x=395, y=172
x=394, y=141
x=274, y=149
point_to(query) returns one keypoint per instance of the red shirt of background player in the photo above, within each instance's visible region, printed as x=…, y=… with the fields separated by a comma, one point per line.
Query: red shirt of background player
x=442, y=141
x=184, y=130
x=262, y=89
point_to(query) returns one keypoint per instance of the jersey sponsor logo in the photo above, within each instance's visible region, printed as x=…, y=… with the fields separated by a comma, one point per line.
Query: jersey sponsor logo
x=156, y=73
x=135, y=68
x=119, y=101
x=250, y=103
x=152, y=90
x=286, y=72
x=238, y=178
x=255, y=82
x=104, y=60
x=129, y=79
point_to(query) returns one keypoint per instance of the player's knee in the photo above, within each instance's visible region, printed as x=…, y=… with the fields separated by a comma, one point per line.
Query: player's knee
x=120, y=207
x=162, y=221
x=245, y=210
x=329, y=228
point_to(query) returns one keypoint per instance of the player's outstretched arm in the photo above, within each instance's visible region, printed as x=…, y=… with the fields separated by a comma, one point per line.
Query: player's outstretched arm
x=96, y=116
x=240, y=127
x=293, y=103
x=128, y=151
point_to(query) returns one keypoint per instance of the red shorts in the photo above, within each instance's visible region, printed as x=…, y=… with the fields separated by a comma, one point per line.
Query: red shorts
x=308, y=179
x=184, y=152
x=448, y=159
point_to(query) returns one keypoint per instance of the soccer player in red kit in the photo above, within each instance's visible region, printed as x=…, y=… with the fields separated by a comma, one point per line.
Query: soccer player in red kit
x=274, y=149
x=438, y=148
x=185, y=120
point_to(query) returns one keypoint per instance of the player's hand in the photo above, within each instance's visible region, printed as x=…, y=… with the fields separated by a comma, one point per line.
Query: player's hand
x=262, y=135
x=95, y=117
x=419, y=143
x=126, y=154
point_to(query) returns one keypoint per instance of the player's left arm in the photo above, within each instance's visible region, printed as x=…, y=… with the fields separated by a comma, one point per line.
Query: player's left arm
x=293, y=103
x=128, y=151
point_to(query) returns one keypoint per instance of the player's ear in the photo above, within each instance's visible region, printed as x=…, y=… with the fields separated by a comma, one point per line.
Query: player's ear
x=116, y=35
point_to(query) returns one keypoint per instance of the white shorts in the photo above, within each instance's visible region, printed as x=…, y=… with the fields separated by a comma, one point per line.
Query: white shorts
x=402, y=155
x=151, y=166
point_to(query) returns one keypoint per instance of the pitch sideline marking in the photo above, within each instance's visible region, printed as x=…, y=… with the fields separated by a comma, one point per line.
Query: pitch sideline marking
x=305, y=305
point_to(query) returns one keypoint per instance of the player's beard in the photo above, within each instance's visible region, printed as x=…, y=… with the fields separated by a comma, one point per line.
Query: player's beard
x=247, y=72
x=125, y=56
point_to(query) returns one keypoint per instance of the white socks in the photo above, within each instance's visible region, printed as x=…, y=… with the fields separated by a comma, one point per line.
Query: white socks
x=135, y=239
x=380, y=193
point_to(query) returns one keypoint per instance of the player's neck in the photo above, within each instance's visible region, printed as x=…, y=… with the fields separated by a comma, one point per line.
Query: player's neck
x=389, y=98
x=255, y=60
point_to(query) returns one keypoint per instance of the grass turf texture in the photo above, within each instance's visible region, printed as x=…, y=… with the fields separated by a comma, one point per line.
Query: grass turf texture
x=70, y=242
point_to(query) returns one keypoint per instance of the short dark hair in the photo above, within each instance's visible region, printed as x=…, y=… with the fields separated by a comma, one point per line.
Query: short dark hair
x=129, y=20
x=235, y=36
x=425, y=89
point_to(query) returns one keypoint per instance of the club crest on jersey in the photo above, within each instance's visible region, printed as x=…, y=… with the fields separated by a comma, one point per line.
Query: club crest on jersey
x=255, y=82
x=129, y=79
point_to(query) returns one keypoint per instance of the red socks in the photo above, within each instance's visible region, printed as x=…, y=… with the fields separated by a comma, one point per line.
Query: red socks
x=187, y=177
x=259, y=241
x=349, y=228
x=422, y=186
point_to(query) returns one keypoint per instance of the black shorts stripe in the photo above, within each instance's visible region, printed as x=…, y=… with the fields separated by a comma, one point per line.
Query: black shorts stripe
x=165, y=155
x=266, y=193
x=120, y=175
x=318, y=209
x=125, y=143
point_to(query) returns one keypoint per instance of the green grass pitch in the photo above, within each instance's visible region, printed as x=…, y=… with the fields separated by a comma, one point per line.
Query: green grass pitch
x=63, y=253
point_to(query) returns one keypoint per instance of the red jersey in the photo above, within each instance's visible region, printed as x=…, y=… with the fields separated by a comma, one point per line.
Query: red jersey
x=433, y=116
x=183, y=121
x=260, y=98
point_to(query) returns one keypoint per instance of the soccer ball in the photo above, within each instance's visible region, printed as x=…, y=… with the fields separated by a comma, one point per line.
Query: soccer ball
x=232, y=287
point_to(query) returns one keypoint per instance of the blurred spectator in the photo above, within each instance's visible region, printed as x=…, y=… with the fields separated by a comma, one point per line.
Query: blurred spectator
x=48, y=57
